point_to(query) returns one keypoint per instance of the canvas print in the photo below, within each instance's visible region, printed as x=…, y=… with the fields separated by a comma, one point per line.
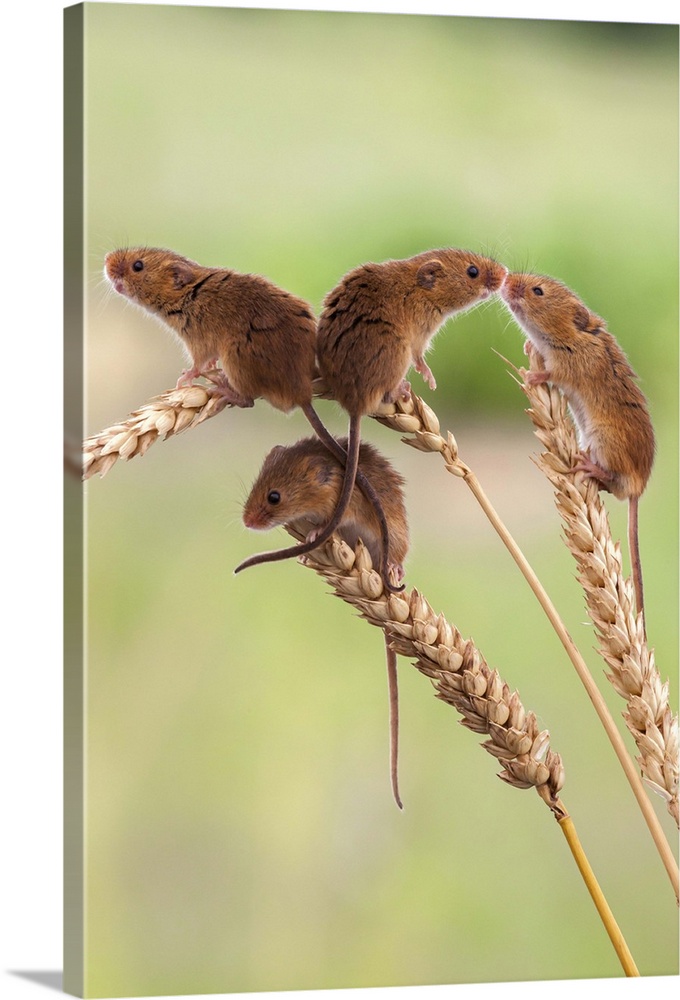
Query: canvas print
x=384, y=308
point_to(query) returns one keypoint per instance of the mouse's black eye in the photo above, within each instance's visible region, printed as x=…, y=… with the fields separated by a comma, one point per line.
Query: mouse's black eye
x=473, y=271
x=537, y=290
x=138, y=265
x=273, y=497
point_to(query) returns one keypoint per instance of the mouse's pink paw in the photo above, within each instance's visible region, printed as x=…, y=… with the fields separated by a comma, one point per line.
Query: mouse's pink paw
x=189, y=374
x=593, y=470
x=402, y=391
x=423, y=369
x=224, y=387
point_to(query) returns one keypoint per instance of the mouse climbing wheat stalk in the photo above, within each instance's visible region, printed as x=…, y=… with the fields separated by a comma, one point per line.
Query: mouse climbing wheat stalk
x=263, y=337
x=299, y=486
x=610, y=412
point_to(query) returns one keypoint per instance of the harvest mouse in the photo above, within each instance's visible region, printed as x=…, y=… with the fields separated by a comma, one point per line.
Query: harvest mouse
x=584, y=360
x=299, y=485
x=263, y=336
x=379, y=321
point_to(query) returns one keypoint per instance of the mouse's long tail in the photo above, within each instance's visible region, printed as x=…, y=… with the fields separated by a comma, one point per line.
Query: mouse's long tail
x=635, y=563
x=341, y=507
x=394, y=720
x=364, y=485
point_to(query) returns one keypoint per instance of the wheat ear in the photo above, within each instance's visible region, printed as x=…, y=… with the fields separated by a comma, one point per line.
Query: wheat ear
x=165, y=415
x=462, y=678
x=609, y=596
x=414, y=417
x=457, y=669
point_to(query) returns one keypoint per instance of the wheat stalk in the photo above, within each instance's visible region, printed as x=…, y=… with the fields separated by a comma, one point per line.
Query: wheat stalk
x=609, y=596
x=462, y=678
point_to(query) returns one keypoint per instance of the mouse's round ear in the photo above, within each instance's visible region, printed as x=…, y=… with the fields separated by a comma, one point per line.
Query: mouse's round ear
x=427, y=273
x=324, y=468
x=586, y=321
x=182, y=274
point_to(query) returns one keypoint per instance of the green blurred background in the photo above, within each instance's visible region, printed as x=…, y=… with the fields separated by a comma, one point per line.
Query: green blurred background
x=240, y=829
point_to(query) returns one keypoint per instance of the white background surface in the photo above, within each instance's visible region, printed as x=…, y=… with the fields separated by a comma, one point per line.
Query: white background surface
x=31, y=731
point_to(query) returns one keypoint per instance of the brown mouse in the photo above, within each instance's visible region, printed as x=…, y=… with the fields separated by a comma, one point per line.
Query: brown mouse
x=584, y=360
x=299, y=485
x=263, y=336
x=379, y=321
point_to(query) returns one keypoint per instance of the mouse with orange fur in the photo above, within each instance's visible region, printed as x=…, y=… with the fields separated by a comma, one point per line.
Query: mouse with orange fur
x=583, y=359
x=299, y=486
x=380, y=320
x=263, y=337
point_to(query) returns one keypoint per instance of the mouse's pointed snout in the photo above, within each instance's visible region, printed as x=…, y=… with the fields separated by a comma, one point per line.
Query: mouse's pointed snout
x=257, y=518
x=513, y=288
